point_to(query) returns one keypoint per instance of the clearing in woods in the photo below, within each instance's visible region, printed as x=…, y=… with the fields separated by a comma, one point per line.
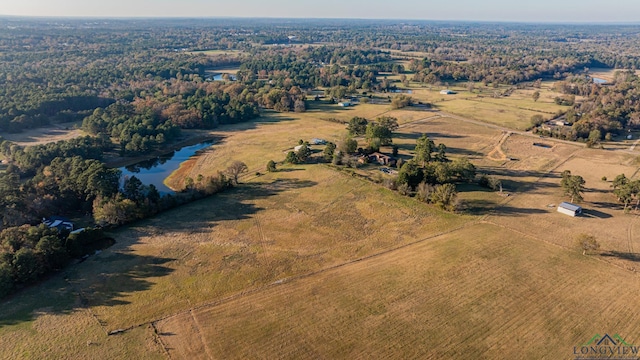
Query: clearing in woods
x=44, y=135
x=313, y=262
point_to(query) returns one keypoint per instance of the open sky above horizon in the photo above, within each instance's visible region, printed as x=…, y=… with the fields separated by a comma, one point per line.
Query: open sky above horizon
x=485, y=10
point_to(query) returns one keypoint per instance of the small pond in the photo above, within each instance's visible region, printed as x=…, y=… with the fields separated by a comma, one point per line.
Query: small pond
x=155, y=170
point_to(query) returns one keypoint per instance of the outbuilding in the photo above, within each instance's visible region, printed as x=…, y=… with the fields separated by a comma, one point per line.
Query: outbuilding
x=569, y=209
x=447, y=92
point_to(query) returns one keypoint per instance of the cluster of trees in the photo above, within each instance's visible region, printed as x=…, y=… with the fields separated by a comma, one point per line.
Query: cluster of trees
x=28, y=160
x=377, y=133
x=572, y=185
x=485, y=69
x=608, y=109
x=431, y=177
x=64, y=185
x=136, y=132
x=401, y=101
x=627, y=191
x=284, y=69
x=148, y=123
x=29, y=252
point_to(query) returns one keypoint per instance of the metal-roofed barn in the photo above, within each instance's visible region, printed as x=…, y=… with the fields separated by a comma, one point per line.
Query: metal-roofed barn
x=569, y=209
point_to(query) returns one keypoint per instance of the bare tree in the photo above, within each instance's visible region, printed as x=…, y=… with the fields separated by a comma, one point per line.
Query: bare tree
x=235, y=169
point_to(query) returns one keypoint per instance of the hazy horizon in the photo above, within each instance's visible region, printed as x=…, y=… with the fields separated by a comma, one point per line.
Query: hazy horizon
x=541, y=11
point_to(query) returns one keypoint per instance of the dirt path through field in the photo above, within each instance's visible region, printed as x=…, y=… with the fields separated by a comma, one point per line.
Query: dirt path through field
x=497, y=154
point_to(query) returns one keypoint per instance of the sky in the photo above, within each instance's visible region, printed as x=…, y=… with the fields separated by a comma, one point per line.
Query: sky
x=565, y=11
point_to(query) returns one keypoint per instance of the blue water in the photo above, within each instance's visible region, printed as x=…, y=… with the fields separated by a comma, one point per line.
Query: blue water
x=155, y=170
x=599, y=81
x=218, y=77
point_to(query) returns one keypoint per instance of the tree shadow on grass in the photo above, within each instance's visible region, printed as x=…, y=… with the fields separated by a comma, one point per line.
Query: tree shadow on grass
x=622, y=255
x=608, y=205
x=234, y=204
x=267, y=117
x=592, y=213
x=109, y=278
x=481, y=206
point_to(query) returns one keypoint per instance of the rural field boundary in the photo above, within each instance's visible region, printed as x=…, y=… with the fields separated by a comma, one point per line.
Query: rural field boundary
x=247, y=292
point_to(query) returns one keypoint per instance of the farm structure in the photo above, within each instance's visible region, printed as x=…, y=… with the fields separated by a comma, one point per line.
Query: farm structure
x=569, y=209
x=382, y=159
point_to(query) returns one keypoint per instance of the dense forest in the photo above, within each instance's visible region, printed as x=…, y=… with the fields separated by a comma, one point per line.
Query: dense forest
x=135, y=87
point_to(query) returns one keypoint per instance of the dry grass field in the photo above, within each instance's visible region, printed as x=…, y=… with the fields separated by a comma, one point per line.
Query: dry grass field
x=45, y=135
x=483, y=292
x=295, y=222
x=604, y=218
x=310, y=262
x=513, y=111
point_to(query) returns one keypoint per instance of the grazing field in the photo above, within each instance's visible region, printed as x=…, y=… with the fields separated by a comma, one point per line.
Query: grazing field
x=313, y=262
x=268, y=138
x=45, y=135
x=513, y=111
x=499, y=114
x=294, y=222
x=461, y=138
x=603, y=217
x=483, y=292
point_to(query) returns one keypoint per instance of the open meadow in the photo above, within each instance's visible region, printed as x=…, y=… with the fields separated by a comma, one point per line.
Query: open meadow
x=311, y=262
x=513, y=111
x=482, y=292
x=44, y=135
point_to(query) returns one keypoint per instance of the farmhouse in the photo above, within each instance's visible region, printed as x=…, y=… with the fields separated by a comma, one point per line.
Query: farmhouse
x=446, y=92
x=382, y=159
x=569, y=209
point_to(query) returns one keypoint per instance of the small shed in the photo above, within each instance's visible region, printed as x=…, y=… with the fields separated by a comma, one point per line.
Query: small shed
x=446, y=92
x=569, y=209
x=344, y=104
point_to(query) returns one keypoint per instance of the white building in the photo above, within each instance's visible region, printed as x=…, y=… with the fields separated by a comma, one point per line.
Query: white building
x=569, y=209
x=446, y=92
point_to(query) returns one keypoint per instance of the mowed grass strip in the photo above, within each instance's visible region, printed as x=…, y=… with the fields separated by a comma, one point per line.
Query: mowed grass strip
x=483, y=292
